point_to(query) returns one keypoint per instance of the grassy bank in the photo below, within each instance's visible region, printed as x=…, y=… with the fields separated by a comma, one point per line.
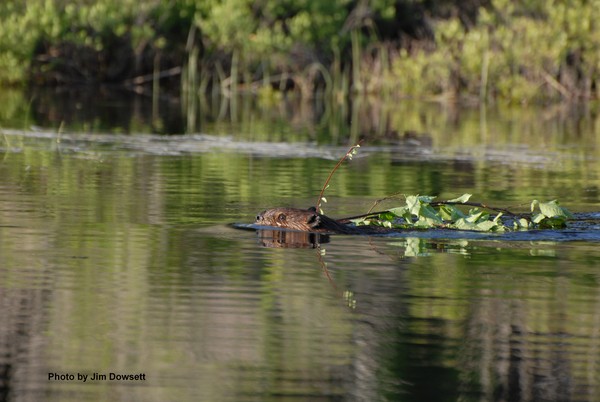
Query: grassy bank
x=518, y=51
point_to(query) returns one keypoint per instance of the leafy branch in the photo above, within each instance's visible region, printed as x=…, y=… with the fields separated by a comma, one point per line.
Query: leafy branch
x=458, y=201
x=421, y=212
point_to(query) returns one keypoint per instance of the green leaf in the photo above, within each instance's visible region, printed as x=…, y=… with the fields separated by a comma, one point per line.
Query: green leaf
x=474, y=215
x=463, y=224
x=407, y=218
x=428, y=212
x=425, y=223
x=400, y=211
x=499, y=228
x=445, y=213
x=522, y=224
x=451, y=213
x=413, y=204
x=387, y=216
x=486, y=226
x=553, y=223
x=552, y=209
x=534, y=204
x=462, y=199
x=426, y=198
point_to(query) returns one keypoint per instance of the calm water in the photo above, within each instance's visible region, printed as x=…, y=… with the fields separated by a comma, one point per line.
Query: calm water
x=117, y=256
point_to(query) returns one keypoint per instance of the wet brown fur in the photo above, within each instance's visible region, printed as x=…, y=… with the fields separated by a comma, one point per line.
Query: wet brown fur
x=306, y=220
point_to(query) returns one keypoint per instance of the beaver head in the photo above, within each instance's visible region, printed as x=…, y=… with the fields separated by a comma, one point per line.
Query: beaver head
x=305, y=220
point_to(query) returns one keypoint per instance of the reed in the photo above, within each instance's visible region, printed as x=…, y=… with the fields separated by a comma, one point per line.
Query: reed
x=357, y=84
x=190, y=87
x=517, y=52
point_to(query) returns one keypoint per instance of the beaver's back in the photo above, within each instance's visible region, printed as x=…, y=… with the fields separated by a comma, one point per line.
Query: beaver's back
x=305, y=220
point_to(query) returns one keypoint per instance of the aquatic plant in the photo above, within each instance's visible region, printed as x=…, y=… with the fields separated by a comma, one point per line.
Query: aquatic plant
x=422, y=212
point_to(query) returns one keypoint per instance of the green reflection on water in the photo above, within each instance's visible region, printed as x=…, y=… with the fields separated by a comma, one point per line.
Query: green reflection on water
x=121, y=262
x=520, y=316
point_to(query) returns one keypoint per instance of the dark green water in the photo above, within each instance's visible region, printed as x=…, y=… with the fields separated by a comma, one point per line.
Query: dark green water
x=116, y=256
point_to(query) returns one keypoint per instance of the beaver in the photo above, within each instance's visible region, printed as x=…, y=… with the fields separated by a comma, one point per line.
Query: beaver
x=309, y=220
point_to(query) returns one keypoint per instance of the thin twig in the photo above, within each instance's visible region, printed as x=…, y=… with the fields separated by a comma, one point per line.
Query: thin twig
x=347, y=155
x=370, y=212
x=324, y=267
x=367, y=215
x=473, y=204
x=377, y=202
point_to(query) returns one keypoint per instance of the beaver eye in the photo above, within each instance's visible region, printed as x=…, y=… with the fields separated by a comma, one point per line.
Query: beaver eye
x=281, y=217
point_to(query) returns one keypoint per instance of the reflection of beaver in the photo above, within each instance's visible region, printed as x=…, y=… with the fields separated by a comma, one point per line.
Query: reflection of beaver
x=308, y=220
x=276, y=238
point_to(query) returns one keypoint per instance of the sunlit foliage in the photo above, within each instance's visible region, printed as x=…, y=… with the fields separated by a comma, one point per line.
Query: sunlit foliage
x=520, y=51
x=421, y=212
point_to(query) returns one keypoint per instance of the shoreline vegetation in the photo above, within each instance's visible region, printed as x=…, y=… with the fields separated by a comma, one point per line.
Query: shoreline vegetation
x=478, y=51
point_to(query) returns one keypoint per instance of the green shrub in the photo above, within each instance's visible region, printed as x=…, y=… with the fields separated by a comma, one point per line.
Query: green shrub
x=521, y=51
